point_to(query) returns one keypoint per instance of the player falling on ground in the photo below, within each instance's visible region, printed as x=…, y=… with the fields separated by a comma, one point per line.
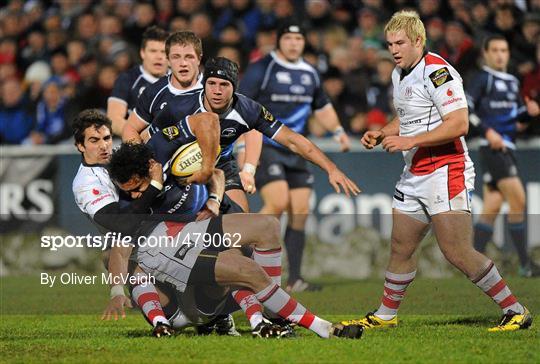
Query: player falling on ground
x=130, y=84
x=238, y=115
x=291, y=89
x=191, y=262
x=437, y=179
x=184, y=53
x=496, y=108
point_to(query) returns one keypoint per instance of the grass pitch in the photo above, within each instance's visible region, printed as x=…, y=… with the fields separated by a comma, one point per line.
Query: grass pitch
x=442, y=320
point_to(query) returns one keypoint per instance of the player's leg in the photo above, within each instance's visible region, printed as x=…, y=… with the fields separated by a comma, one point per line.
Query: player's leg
x=408, y=230
x=514, y=193
x=453, y=230
x=239, y=197
x=275, y=196
x=295, y=238
x=483, y=229
x=233, y=269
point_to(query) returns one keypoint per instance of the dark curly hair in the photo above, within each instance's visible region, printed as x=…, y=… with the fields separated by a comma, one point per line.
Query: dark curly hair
x=86, y=119
x=130, y=160
x=153, y=33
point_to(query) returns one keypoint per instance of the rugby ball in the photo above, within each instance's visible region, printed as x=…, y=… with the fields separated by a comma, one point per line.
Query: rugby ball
x=187, y=160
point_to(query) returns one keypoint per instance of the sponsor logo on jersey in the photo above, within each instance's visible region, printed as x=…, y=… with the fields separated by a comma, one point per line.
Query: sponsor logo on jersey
x=305, y=80
x=438, y=200
x=283, y=77
x=162, y=105
x=401, y=112
x=228, y=132
x=297, y=89
x=500, y=85
x=398, y=195
x=100, y=198
x=141, y=90
x=267, y=115
x=95, y=191
x=449, y=92
x=440, y=77
x=451, y=101
x=170, y=132
x=410, y=122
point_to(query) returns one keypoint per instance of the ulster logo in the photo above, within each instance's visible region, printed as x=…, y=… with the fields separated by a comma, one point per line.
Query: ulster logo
x=408, y=92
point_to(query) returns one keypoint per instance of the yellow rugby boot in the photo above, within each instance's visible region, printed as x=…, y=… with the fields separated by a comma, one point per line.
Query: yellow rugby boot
x=512, y=321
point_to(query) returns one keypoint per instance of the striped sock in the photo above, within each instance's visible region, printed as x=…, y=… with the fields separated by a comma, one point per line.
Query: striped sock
x=147, y=299
x=394, y=290
x=495, y=287
x=277, y=300
x=270, y=261
x=250, y=305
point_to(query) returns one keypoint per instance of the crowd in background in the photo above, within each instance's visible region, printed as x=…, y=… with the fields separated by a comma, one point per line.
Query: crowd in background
x=60, y=57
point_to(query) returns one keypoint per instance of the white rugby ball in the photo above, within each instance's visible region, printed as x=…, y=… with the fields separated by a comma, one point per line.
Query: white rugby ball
x=187, y=160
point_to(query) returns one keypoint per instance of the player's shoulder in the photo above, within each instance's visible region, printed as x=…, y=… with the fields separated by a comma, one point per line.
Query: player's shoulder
x=246, y=107
x=261, y=64
x=438, y=70
x=498, y=74
x=89, y=176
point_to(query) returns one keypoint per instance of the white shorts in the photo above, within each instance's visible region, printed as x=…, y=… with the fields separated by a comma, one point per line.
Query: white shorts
x=173, y=261
x=446, y=189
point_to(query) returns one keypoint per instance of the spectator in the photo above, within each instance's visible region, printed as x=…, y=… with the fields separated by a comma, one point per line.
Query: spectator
x=245, y=16
x=201, y=25
x=524, y=47
x=15, y=119
x=379, y=93
x=459, y=49
x=51, y=126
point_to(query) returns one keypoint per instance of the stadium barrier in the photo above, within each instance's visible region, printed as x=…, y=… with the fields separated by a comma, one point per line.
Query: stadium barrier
x=36, y=198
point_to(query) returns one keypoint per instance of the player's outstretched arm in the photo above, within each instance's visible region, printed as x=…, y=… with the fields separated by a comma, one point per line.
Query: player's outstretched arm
x=116, y=111
x=118, y=269
x=132, y=129
x=205, y=127
x=454, y=125
x=305, y=148
x=328, y=118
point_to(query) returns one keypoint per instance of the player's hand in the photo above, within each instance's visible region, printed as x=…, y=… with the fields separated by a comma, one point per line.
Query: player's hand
x=344, y=142
x=156, y=171
x=372, y=138
x=248, y=182
x=396, y=143
x=201, y=176
x=339, y=180
x=116, y=306
x=496, y=141
x=210, y=210
x=532, y=107
x=145, y=135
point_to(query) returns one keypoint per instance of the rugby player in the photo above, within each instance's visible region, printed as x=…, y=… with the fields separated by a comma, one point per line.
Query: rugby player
x=184, y=53
x=434, y=189
x=190, y=261
x=496, y=108
x=130, y=84
x=292, y=90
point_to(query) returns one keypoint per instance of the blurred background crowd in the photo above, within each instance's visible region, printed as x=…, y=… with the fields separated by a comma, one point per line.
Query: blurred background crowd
x=59, y=57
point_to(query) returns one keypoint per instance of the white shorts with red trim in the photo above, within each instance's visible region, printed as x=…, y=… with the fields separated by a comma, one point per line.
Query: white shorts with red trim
x=171, y=250
x=448, y=188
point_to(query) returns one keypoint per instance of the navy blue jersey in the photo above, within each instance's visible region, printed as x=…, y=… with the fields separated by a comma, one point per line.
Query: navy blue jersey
x=183, y=202
x=244, y=115
x=155, y=101
x=291, y=91
x=130, y=84
x=494, y=97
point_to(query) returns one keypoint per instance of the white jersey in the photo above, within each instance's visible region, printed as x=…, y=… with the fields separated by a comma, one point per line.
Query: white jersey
x=93, y=189
x=432, y=89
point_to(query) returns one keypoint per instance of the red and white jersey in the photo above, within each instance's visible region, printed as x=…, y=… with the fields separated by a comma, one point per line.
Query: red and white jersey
x=432, y=89
x=93, y=189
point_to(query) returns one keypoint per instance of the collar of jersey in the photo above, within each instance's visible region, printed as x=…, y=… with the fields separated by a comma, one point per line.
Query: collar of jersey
x=147, y=76
x=175, y=91
x=404, y=73
x=83, y=162
x=503, y=75
x=298, y=65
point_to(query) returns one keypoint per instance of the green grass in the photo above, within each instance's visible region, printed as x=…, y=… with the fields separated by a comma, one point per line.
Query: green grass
x=441, y=321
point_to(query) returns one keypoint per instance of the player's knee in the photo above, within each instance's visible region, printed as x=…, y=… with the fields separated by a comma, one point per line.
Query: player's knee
x=277, y=206
x=270, y=231
x=517, y=205
x=400, y=249
x=253, y=275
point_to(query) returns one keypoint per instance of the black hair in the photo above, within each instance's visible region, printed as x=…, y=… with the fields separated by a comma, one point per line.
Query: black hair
x=153, y=33
x=86, y=119
x=223, y=68
x=129, y=160
x=491, y=38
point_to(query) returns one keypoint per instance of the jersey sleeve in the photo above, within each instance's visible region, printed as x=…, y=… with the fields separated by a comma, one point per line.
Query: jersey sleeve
x=445, y=87
x=251, y=82
x=91, y=195
x=120, y=91
x=142, y=107
x=266, y=122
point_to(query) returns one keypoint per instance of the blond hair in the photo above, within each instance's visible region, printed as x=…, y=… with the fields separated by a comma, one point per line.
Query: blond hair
x=408, y=21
